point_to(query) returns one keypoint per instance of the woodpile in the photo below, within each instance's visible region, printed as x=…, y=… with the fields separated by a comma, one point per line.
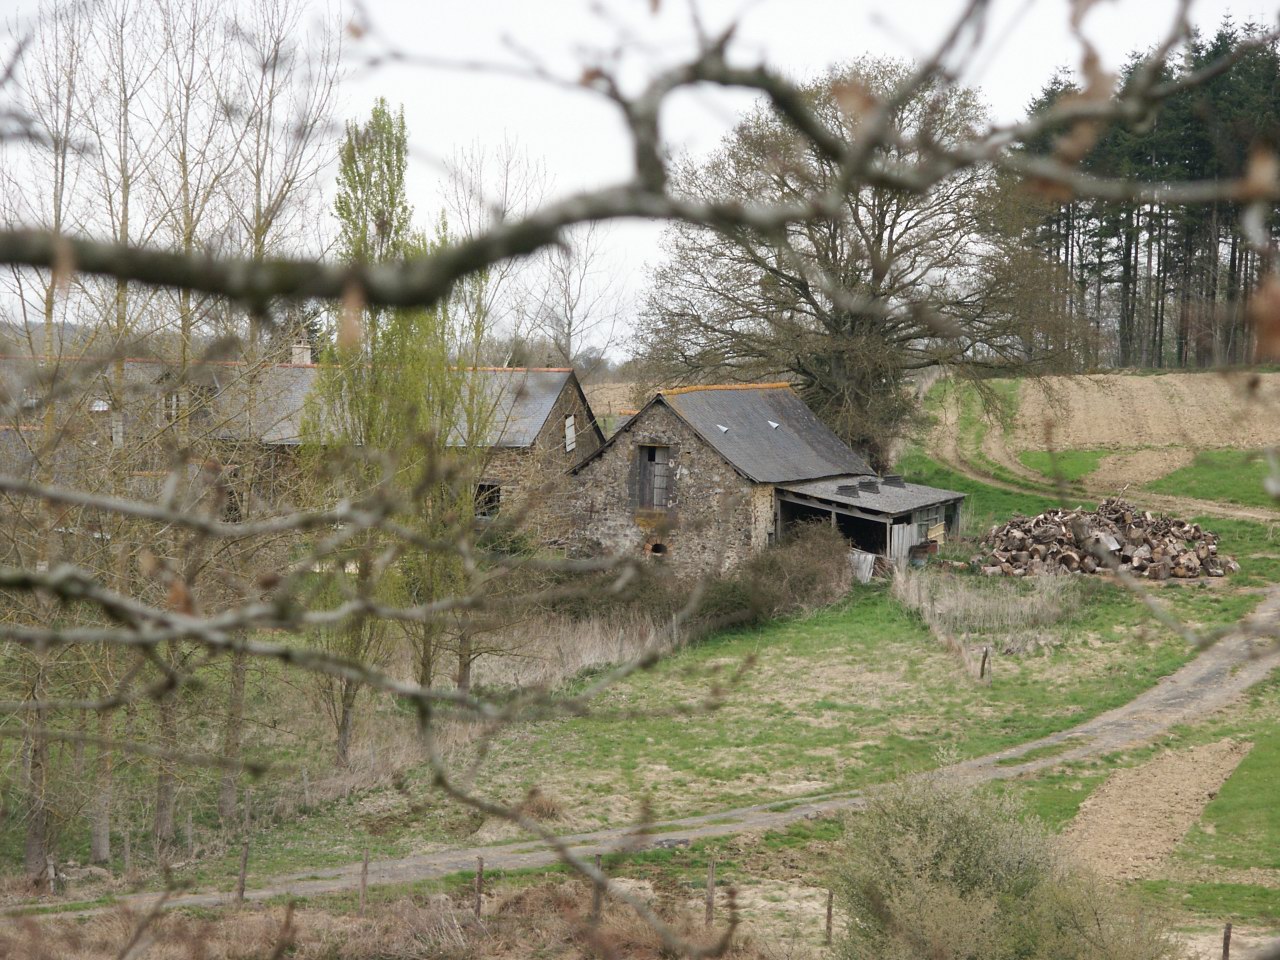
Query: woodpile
x=1115, y=536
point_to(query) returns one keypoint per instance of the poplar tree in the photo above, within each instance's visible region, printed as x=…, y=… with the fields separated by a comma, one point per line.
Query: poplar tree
x=390, y=393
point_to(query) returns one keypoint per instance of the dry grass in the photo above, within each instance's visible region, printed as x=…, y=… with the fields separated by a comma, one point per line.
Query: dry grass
x=547, y=920
x=552, y=648
x=965, y=612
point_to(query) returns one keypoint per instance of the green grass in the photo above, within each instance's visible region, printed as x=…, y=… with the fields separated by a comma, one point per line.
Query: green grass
x=852, y=696
x=1239, y=829
x=984, y=504
x=1054, y=798
x=1256, y=545
x=1222, y=901
x=980, y=407
x=1241, y=825
x=1227, y=476
x=1069, y=466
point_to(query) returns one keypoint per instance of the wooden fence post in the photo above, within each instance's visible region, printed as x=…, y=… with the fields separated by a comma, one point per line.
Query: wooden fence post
x=244, y=846
x=831, y=896
x=597, y=896
x=364, y=879
x=244, y=869
x=982, y=671
x=479, y=883
x=1226, y=941
x=711, y=889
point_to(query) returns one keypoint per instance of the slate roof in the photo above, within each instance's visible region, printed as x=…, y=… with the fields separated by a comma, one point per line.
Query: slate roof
x=514, y=402
x=765, y=431
x=874, y=494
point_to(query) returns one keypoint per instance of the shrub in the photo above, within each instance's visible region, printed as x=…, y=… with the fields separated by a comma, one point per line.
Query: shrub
x=810, y=569
x=933, y=871
x=1011, y=615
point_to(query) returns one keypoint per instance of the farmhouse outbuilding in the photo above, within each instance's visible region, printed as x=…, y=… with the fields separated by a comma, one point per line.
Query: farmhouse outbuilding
x=706, y=476
x=530, y=424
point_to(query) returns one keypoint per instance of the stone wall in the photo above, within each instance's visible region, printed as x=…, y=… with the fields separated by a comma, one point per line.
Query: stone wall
x=534, y=480
x=716, y=518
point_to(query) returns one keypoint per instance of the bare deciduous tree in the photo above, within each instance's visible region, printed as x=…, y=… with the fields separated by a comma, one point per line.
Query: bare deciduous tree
x=839, y=172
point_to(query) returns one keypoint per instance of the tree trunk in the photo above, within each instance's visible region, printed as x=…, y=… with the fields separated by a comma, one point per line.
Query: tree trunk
x=1124, y=332
x=346, y=720
x=35, y=847
x=100, y=824
x=464, y=660
x=166, y=781
x=229, y=785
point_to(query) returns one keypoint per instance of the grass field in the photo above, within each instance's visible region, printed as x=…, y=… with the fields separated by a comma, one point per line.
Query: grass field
x=1241, y=826
x=1069, y=466
x=851, y=696
x=844, y=698
x=1228, y=476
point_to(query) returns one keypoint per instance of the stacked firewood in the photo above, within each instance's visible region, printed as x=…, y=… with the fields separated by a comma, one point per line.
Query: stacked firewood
x=1115, y=536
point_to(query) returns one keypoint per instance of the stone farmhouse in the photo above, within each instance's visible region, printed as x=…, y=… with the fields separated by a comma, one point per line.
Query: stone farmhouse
x=705, y=476
x=533, y=423
x=701, y=477
x=536, y=424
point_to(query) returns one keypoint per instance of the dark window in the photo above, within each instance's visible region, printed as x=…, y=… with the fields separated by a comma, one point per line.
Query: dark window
x=488, y=499
x=655, y=477
x=232, y=508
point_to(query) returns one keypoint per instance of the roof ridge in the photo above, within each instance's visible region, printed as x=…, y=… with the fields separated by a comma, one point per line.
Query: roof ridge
x=677, y=391
x=516, y=369
x=159, y=361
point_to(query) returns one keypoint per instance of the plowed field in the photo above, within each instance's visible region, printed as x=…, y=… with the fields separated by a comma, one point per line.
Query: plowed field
x=1124, y=412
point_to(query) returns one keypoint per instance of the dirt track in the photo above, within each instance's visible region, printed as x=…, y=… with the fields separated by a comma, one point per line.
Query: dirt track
x=946, y=448
x=1208, y=683
x=1128, y=826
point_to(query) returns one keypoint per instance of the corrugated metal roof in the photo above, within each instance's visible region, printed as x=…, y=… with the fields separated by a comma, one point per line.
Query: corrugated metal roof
x=766, y=432
x=873, y=494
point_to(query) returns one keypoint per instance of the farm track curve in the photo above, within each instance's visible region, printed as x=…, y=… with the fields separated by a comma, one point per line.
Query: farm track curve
x=948, y=449
x=1216, y=677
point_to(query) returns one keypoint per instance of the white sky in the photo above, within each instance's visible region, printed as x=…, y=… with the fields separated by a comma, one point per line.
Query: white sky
x=579, y=135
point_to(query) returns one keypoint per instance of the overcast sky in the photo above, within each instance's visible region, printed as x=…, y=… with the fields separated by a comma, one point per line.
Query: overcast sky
x=579, y=136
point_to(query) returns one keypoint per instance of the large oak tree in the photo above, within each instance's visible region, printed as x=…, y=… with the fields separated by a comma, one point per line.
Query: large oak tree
x=846, y=306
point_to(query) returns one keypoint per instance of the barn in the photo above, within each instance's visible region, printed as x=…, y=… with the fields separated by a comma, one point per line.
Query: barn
x=705, y=476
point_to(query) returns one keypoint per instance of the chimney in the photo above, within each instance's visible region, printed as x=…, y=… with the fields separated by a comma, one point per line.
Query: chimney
x=300, y=353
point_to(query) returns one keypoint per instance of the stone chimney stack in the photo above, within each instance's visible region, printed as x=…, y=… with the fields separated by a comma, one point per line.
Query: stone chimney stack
x=301, y=351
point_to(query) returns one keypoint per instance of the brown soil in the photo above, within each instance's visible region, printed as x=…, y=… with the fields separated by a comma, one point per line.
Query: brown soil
x=946, y=448
x=1207, y=944
x=610, y=399
x=1127, y=828
x=1120, y=470
x=1118, y=411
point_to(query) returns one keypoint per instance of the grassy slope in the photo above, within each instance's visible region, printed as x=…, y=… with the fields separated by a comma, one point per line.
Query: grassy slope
x=762, y=738
x=1241, y=826
x=1239, y=830
x=1069, y=466
x=1228, y=476
x=847, y=697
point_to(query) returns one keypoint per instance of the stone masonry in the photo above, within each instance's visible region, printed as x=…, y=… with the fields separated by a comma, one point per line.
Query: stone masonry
x=715, y=519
